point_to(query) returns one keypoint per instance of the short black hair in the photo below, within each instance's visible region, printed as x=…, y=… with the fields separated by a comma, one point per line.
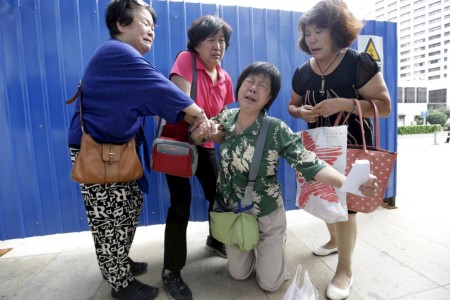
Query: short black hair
x=268, y=70
x=123, y=11
x=204, y=27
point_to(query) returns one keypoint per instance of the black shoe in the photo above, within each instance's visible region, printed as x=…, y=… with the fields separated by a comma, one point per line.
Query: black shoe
x=136, y=290
x=137, y=268
x=214, y=245
x=175, y=286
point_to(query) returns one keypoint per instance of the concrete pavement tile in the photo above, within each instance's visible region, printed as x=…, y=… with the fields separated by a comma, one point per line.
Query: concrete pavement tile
x=70, y=275
x=435, y=294
x=17, y=274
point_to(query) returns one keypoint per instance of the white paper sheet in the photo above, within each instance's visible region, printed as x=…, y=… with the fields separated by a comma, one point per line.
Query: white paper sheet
x=358, y=174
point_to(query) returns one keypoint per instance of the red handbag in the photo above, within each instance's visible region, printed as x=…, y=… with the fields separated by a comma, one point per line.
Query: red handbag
x=381, y=165
x=172, y=153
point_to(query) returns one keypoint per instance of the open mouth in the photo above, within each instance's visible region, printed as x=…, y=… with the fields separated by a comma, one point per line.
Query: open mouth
x=250, y=98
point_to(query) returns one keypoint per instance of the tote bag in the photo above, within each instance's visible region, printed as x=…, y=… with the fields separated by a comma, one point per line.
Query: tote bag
x=319, y=199
x=381, y=165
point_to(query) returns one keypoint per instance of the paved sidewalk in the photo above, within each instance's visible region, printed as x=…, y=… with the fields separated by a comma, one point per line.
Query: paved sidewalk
x=401, y=253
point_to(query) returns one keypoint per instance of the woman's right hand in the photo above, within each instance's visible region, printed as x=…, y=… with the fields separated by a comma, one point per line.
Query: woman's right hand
x=307, y=113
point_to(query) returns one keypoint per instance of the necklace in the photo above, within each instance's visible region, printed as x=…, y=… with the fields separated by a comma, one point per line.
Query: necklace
x=322, y=85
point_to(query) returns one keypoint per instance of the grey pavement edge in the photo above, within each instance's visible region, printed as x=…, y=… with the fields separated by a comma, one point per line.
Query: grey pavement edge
x=401, y=253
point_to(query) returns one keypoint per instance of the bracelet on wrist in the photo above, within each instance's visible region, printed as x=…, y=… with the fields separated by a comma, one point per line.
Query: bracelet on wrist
x=297, y=112
x=354, y=109
x=197, y=115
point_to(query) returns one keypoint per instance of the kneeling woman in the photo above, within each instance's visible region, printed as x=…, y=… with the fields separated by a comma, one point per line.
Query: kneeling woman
x=257, y=87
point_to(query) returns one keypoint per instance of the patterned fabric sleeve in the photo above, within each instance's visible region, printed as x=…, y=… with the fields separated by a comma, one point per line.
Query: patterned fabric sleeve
x=294, y=152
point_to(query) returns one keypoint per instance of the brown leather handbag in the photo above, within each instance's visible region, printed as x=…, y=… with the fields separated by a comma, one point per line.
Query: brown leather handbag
x=104, y=163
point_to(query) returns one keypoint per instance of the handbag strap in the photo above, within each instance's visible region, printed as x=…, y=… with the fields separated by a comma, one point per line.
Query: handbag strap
x=74, y=97
x=247, y=202
x=376, y=121
x=193, y=94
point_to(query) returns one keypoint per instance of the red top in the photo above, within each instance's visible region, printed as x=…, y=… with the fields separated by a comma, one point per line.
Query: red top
x=210, y=97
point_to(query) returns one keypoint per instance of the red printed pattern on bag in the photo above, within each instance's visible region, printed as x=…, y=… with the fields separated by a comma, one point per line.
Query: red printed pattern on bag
x=324, y=191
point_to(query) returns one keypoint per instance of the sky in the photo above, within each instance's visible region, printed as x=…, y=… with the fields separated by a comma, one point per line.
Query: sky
x=362, y=9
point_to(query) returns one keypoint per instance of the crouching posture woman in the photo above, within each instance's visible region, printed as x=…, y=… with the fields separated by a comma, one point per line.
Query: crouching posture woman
x=257, y=87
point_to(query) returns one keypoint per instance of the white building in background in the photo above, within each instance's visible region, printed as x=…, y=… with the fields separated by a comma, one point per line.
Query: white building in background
x=423, y=31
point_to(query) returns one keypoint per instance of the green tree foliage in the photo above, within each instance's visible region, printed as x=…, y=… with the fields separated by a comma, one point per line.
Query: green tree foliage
x=437, y=118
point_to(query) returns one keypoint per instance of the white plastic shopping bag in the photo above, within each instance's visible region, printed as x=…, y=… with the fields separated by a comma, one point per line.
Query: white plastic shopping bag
x=306, y=292
x=319, y=199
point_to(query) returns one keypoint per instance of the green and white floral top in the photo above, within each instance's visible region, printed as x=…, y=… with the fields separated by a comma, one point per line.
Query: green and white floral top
x=236, y=153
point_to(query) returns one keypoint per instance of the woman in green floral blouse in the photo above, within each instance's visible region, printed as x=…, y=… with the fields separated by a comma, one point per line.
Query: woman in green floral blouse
x=257, y=87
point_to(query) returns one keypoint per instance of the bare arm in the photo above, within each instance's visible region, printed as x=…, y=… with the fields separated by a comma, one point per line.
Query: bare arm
x=331, y=176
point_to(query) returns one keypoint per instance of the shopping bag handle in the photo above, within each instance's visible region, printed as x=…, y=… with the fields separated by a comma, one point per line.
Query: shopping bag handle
x=376, y=121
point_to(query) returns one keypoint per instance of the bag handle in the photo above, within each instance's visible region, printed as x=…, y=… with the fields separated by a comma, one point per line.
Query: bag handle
x=376, y=121
x=193, y=93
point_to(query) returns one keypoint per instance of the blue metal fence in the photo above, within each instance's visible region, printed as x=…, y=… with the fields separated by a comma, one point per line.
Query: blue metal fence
x=45, y=47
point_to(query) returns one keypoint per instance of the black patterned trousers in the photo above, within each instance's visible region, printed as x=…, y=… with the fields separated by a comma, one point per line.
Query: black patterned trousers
x=113, y=213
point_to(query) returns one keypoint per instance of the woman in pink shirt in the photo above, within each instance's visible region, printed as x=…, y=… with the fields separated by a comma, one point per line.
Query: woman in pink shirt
x=209, y=37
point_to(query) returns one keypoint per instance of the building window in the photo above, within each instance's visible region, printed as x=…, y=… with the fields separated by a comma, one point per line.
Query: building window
x=418, y=65
x=405, y=22
x=410, y=95
x=419, y=56
x=437, y=96
x=418, y=2
x=434, y=69
x=405, y=45
x=434, y=77
x=434, y=53
x=419, y=48
x=434, y=61
x=405, y=7
x=434, y=28
x=419, y=10
x=404, y=15
x=405, y=60
x=405, y=52
x=433, y=13
x=421, y=25
x=399, y=94
x=419, y=33
x=405, y=30
x=434, y=4
x=421, y=95
x=433, y=37
x=437, y=20
x=419, y=41
x=434, y=45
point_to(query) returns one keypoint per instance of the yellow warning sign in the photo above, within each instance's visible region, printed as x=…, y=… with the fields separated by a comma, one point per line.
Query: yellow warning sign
x=372, y=51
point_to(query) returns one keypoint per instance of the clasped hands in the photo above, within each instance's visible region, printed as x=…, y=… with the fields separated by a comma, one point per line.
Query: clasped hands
x=324, y=109
x=202, y=131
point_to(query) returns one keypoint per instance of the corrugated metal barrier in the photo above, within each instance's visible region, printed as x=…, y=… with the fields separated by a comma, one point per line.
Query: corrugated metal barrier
x=45, y=47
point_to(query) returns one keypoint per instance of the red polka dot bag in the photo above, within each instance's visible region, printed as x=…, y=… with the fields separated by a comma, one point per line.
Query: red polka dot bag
x=381, y=165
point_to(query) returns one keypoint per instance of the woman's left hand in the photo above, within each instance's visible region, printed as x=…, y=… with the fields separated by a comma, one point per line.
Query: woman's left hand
x=370, y=187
